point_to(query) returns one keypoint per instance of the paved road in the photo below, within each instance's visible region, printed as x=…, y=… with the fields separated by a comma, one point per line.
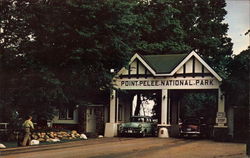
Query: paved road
x=131, y=148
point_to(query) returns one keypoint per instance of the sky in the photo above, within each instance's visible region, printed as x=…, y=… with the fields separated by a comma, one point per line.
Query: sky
x=238, y=19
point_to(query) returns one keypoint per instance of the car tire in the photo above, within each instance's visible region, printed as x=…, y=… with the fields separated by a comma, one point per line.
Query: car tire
x=120, y=135
x=155, y=133
x=143, y=134
x=181, y=135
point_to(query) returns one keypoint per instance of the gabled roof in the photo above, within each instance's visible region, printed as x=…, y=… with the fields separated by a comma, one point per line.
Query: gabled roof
x=168, y=65
x=164, y=64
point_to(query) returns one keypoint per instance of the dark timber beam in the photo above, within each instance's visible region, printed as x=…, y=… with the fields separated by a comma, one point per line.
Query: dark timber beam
x=193, y=66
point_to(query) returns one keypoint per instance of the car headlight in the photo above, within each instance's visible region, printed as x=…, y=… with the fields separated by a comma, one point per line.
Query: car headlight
x=140, y=126
x=121, y=128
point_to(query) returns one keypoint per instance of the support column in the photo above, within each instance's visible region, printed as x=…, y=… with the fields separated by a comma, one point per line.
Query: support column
x=221, y=101
x=163, y=130
x=221, y=119
x=112, y=108
x=220, y=129
x=111, y=127
x=164, y=107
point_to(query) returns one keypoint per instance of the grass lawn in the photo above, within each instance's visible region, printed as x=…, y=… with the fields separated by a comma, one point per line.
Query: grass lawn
x=10, y=144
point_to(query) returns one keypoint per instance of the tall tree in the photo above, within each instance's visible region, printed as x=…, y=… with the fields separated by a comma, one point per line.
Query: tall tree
x=160, y=31
x=199, y=105
x=13, y=31
x=203, y=23
x=237, y=90
x=73, y=46
x=238, y=80
x=205, y=31
x=59, y=53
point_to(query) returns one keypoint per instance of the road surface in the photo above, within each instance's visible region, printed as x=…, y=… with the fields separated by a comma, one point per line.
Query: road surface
x=149, y=147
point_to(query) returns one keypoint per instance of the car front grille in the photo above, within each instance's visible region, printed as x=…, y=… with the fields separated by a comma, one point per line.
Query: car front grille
x=131, y=128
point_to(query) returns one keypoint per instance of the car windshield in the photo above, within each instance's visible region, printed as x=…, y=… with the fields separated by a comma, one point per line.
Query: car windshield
x=137, y=119
x=192, y=121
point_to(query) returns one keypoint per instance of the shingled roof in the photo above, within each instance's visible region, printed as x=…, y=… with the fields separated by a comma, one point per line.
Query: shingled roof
x=163, y=64
x=166, y=65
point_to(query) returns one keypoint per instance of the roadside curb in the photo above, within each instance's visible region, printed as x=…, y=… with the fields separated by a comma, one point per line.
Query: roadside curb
x=39, y=147
x=44, y=147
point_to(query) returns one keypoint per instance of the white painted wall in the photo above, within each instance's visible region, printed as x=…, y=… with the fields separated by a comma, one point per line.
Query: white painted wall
x=141, y=69
x=206, y=70
x=125, y=72
x=133, y=67
x=189, y=66
x=198, y=66
x=180, y=71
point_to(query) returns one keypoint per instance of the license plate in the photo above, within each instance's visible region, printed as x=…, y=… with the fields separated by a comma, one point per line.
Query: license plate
x=188, y=129
x=130, y=131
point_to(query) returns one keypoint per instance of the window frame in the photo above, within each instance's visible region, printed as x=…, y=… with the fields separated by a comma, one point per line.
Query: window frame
x=68, y=114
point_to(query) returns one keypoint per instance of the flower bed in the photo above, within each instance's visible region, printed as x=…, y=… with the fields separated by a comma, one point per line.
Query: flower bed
x=52, y=136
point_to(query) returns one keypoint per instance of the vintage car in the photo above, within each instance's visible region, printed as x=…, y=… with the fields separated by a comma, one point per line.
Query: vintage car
x=194, y=127
x=138, y=126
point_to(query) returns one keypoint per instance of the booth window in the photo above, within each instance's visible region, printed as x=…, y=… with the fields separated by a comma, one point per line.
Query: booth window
x=66, y=114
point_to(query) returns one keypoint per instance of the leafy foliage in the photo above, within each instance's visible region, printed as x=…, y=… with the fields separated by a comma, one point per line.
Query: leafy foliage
x=160, y=31
x=237, y=84
x=199, y=105
x=58, y=53
x=74, y=44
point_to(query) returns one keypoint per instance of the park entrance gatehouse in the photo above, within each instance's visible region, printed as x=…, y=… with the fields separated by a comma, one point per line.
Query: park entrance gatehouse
x=163, y=75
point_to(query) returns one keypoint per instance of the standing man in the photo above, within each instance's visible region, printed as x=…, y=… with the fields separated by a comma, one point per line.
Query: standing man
x=27, y=126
